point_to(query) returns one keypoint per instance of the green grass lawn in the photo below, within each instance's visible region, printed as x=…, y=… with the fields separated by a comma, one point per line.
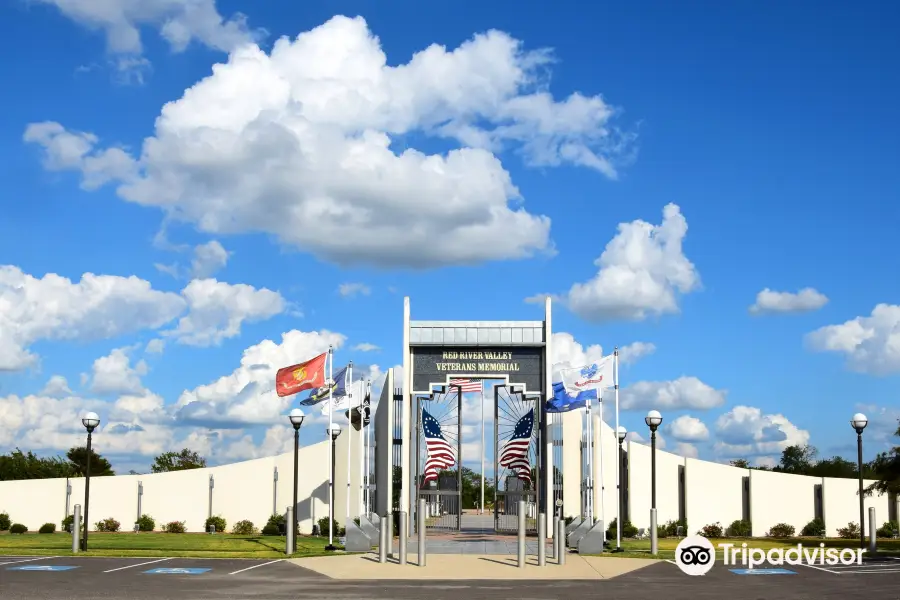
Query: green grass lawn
x=161, y=544
x=641, y=548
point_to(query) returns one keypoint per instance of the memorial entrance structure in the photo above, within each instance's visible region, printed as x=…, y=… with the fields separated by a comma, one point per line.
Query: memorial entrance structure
x=420, y=420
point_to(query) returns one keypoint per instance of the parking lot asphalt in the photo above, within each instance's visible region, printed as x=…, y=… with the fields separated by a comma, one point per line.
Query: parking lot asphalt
x=89, y=578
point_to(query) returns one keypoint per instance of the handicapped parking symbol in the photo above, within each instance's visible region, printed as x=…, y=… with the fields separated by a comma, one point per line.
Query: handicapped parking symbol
x=176, y=571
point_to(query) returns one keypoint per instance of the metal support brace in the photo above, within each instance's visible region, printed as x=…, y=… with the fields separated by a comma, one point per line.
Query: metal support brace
x=289, y=531
x=404, y=534
x=521, y=516
x=542, y=542
x=76, y=529
x=561, y=532
x=421, y=528
x=382, y=540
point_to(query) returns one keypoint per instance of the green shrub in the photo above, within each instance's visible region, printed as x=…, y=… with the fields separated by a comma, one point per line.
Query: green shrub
x=739, y=529
x=175, y=527
x=850, y=532
x=243, y=528
x=713, y=530
x=109, y=525
x=217, y=522
x=661, y=531
x=815, y=528
x=628, y=530
x=67, y=522
x=146, y=523
x=569, y=520
x=672, y=527
x=18, y=528
x=273, y=525
x=781, y=530
x=47, y=528
x=885, y=531
x=4, y=521
x=338, y=530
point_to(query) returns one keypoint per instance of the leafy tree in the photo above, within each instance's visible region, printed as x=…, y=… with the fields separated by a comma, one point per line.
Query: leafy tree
x=886, y=469
x=19, y=465
x=798, y=459
x=740, y=463
x=78, y=458
x=177, y=461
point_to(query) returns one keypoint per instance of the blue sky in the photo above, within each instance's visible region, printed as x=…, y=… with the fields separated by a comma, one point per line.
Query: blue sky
x=772, y=128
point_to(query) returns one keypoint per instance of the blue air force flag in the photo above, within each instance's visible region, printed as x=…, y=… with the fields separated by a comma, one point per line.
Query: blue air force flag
x=594, y=376
x=563, y=401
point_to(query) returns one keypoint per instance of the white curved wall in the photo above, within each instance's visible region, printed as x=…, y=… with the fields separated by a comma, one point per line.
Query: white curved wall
x=244, y=490
x=716, y=493
x=241, y=491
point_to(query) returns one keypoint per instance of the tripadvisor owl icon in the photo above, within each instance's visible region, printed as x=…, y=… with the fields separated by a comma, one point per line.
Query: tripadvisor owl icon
x=695, y=555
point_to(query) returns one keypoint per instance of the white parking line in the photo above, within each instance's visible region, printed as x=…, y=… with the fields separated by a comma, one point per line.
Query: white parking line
x=803, y=564
x=12, y=562
x=137, y=565
x=255, y=566
x=872, y=571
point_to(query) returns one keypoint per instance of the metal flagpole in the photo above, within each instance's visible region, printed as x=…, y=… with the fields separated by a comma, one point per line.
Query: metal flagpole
x=590, y=461
x=619, y=456
x=600, y=441
x=368, y=453
x=482, y=447
x=348, y=393
x=362, y=460
x=331, y=447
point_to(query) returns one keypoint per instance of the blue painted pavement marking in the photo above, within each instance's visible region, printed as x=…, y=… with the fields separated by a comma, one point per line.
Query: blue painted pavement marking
x=762, y=572
x=176, y=571
x=40, y=568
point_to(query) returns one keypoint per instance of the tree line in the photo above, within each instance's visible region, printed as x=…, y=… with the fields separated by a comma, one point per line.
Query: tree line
x=884, y=469
x=18, y=465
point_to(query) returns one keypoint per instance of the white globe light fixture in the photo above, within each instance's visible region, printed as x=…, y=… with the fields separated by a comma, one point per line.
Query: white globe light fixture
x=621, y=433
x=859, y=422
x=653, y=419
x=333, y=430
x=296, y=417
x=90, y=421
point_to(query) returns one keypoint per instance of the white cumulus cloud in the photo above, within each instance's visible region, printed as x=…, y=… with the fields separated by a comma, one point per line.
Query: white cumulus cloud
x=216, y=311
x=349, y=290
x=643, y=270
x=870, y=344
x=113, y=374
x=681, y=393
x=688, y=429
x=273, y=142
x=56, y=308
x=745, y=432
x=108, y=306
x=179, y=22
x=806, y=300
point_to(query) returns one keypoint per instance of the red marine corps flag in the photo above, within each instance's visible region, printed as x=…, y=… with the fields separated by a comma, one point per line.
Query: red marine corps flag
x=305, y=376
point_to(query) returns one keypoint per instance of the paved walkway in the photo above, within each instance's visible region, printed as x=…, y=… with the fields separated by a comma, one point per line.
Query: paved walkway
x=470, y=567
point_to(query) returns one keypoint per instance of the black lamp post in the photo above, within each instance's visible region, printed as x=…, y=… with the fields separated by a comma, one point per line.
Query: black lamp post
x=621, y=433
x=859, y=422
x=90, y=422
x=653, y=420
x=334, y=430
x=296, y=418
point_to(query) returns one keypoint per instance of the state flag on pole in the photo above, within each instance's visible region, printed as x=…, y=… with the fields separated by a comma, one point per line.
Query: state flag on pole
x=594, y=376
x=353, y=396
x=304, y=376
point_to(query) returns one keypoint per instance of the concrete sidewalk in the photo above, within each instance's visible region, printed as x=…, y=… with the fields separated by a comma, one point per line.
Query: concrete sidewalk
x=470, y=567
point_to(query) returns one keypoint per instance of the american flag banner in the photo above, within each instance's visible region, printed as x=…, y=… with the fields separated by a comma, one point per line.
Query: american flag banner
x=440, y=453
x=514, y=454
x=468, y=385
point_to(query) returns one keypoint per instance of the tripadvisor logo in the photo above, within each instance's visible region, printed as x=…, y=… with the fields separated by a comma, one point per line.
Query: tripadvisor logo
x=696, y=555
